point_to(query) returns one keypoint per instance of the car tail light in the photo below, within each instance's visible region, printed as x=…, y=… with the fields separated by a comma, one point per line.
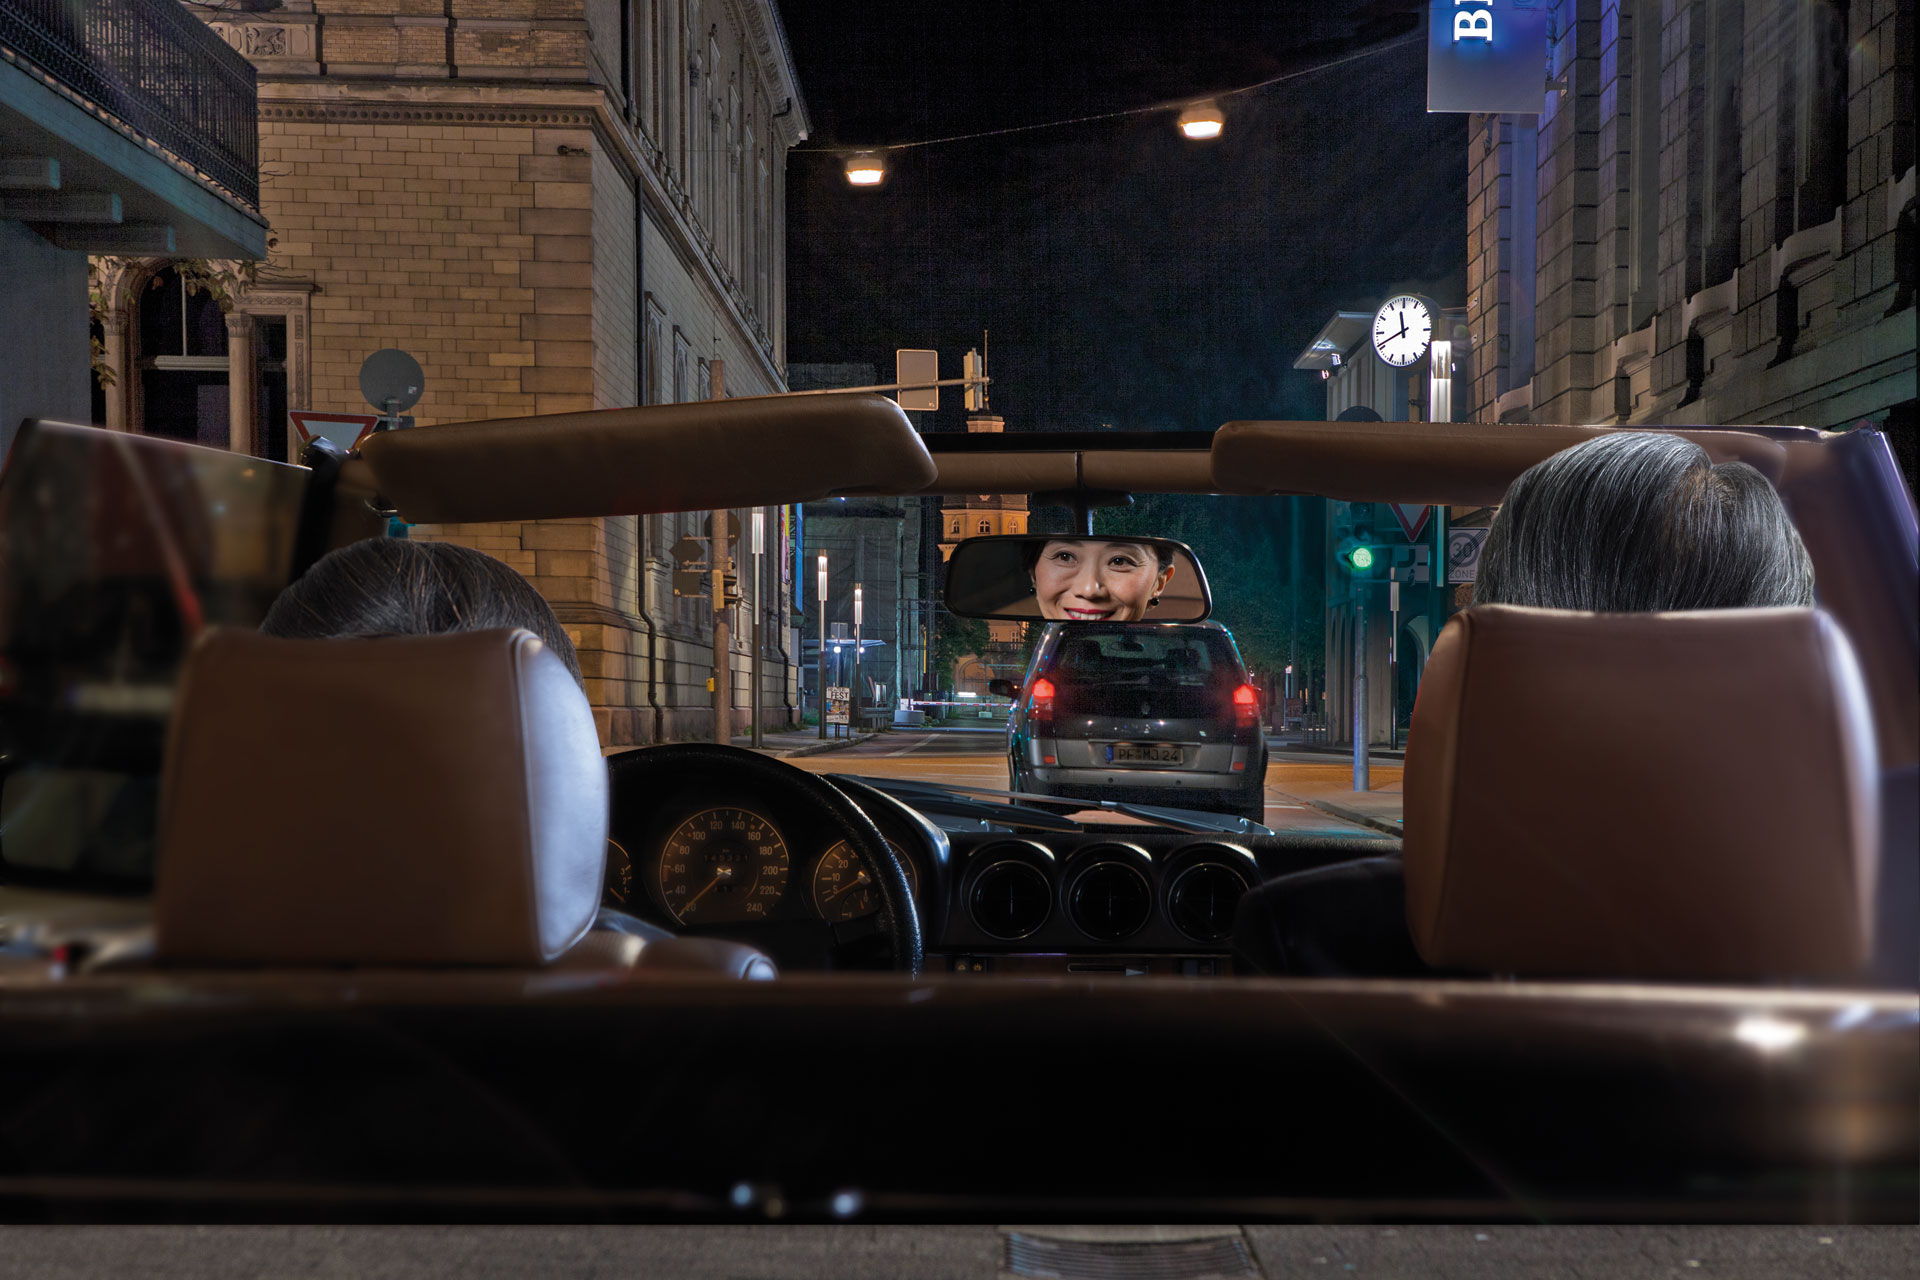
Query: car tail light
x=1246, y=707
x=1040, y=703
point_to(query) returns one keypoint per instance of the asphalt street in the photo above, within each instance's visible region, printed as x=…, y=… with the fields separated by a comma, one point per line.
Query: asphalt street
x=1297, y=782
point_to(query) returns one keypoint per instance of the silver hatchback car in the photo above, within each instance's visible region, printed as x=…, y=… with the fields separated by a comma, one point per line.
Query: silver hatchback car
x=1149, y=713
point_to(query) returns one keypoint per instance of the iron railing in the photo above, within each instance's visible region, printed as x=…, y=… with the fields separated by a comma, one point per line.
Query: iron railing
x=156, y=68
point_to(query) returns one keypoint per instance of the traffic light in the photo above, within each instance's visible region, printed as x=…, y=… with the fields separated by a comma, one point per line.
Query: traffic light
x=1357, y=557
x=1354, y=546
x=972, y=368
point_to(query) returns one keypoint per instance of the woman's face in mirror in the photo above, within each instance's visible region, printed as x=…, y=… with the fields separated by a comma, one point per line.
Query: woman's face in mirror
x=1085, y=580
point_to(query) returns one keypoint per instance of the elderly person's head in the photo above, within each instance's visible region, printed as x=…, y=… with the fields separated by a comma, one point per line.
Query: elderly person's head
x=1641, y=522
x=399, y=587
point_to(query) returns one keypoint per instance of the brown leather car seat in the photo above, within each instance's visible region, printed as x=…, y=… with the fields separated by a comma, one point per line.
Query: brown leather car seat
x=1676, y=796
x=396, y=802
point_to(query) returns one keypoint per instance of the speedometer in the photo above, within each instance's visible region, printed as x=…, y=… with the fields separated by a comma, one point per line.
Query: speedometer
x=722, y=865
x=844, y=890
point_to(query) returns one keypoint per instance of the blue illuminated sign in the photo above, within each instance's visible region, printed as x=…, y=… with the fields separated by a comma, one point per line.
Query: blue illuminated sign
x=1487, y=55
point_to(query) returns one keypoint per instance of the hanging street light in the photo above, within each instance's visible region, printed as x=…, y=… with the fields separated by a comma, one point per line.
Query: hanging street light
x=867, y=169
x=1202, y=120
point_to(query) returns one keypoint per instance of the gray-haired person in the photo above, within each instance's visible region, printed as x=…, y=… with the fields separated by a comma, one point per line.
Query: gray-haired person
x=1676, y=531
x=1629, y=523
x=399, y=587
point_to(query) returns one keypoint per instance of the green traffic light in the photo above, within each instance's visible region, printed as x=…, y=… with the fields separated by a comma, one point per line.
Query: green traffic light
x=1361, y=558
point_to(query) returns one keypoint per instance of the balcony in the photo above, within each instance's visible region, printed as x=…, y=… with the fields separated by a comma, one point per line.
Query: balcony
x=121, y=120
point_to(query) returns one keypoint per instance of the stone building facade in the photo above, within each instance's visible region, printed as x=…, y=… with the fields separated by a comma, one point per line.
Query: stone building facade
x=1711, y=221
x=554, y=205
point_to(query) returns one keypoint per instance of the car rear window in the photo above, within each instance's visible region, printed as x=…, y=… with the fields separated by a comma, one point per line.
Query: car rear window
x=1164, y=672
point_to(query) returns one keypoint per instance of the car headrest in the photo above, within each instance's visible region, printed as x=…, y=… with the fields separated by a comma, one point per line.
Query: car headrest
x=1681, y=796
x=407, y=800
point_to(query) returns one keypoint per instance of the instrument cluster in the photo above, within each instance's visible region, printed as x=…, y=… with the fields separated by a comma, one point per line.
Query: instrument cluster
x=730, y=864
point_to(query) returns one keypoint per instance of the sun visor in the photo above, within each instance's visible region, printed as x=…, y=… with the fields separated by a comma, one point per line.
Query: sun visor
x=1464, y=463
x=753, y=451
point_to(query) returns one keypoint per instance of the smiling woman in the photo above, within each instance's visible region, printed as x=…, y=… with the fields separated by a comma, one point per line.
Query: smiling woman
x=1082, y=580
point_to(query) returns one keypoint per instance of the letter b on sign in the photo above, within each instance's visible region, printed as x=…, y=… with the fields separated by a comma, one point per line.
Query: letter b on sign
x=1476, y=25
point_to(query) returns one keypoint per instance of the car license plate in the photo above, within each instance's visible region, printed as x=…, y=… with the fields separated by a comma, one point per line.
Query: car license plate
x=1143, y=753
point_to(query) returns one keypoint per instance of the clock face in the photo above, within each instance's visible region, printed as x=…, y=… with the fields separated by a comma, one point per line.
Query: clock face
x=1402, y=330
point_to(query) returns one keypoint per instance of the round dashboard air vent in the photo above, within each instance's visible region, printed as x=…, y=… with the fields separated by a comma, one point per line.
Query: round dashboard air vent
x=1202, y=899
x=1110, y=901
x=1010, y=900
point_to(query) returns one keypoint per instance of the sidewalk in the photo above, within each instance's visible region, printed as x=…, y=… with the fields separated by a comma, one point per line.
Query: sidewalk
x=798, y=742
x=1330, y=790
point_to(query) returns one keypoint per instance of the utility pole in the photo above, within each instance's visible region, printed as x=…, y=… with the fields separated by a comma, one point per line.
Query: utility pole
x=722, y=630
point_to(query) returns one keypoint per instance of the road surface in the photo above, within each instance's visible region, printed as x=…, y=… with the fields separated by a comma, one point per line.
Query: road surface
x=977, y=758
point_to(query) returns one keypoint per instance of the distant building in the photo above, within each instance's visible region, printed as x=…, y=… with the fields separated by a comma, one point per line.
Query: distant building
x=101, y=152
x=1363, y=387
x=555, y=206
x=1711, y=221
x=881, y=543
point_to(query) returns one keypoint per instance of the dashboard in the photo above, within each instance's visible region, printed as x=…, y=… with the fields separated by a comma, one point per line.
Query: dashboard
x=713, y=858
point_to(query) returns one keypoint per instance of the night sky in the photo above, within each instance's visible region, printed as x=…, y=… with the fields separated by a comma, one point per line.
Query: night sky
x=1129, y=276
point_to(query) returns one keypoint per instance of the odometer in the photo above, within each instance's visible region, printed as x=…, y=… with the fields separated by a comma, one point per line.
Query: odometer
x=722, y=865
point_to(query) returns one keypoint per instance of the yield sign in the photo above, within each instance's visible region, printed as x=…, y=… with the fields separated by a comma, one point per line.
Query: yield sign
x=345, y=429
x=1412, y=518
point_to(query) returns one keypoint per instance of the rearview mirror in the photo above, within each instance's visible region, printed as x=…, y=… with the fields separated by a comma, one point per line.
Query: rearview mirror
x=1003, y=688
x=1076, y=579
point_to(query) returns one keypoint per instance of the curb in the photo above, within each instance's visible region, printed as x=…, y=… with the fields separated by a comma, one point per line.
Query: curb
x=1346, y=814
x=820, y=748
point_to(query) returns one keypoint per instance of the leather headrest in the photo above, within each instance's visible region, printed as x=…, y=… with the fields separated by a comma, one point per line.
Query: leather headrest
x=416, y=800
x=1654, y=795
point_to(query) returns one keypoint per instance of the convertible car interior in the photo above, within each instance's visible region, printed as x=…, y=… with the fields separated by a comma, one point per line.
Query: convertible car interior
x=401, y=942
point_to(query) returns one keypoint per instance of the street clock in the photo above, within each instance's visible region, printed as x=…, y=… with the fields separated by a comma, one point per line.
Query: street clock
x=1403, y=330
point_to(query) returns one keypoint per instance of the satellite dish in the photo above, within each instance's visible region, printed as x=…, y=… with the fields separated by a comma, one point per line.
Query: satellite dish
x=391, y=374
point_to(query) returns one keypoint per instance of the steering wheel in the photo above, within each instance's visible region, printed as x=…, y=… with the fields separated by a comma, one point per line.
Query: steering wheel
x=637, y=777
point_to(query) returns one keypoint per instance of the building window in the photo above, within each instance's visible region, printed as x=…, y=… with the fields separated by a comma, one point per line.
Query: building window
x=1643, y=208
x=1720, y=202
x=182, y=361
x=682, y=358
x=985, y=527
x=270, y=386
x=1821, y=188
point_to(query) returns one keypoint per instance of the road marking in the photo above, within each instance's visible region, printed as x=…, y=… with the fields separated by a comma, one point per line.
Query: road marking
x=913, y=746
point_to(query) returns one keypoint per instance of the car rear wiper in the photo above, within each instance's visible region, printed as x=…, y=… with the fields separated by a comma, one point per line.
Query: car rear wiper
x=1193, y=820
x=947, y=800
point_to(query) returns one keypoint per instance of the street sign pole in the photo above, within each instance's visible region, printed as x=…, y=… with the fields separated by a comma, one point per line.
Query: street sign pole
x=722, y=632
x=853, y=703
x=1360, y=780
x=820, y=598
x=759, y=610
x=1393, y=664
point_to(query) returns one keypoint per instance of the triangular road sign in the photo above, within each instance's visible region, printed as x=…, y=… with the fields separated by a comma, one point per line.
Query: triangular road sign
x=345, y=429
x=1412, y=518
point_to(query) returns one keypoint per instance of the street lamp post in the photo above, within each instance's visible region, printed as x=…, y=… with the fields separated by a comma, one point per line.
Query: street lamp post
x=821, y=596
x=853, y=703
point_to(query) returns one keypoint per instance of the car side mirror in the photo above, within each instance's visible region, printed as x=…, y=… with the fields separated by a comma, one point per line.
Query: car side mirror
x=1004, y=688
